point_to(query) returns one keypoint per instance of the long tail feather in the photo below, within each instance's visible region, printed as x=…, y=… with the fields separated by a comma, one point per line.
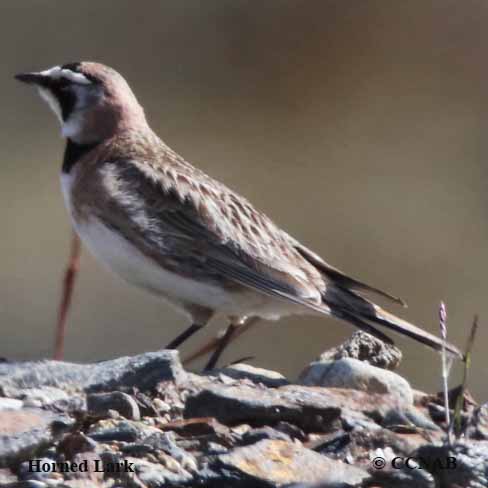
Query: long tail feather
x=348, y=305
x=405, y=328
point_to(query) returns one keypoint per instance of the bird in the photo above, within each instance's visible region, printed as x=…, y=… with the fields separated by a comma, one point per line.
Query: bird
x=166, y=226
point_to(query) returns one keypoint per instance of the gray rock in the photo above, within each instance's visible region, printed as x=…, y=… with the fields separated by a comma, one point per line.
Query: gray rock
x=25, y=432
x=468, y=464
x=144, y=371
x=240, y=404
x=46, y=473
x=157, y=476
x=477, y=427
x=238, y=371
x=166, y=442
x=408, y=415
x=43, y=397
x=365, y=347
x=255, y=435
x=28, y=484
x=99, y=404
x=311, y=409
x=279, y=463
x=117, y=430
x=357, y=375
x=402, y=478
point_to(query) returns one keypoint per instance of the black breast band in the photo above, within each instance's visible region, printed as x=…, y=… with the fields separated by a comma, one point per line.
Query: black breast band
x=73, y=152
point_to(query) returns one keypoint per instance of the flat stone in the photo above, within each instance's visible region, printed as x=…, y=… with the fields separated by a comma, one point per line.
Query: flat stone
x=197, y=427
x=118, y=430
x=271, y=379
x=144, y=371
x=357, y=375
x=43, y=397
x=365, y=347
x=255, y=435
x=24, y=432
x=310, y=408
x=248, y=404
x=279, y=463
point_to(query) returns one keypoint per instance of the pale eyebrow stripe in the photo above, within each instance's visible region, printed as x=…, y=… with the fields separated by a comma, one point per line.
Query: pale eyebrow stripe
x=58, y=72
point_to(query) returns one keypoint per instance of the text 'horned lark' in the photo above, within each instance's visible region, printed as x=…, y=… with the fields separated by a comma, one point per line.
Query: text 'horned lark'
x=169, y=228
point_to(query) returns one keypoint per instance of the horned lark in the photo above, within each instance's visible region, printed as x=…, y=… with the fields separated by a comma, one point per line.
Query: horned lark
x=166, y=226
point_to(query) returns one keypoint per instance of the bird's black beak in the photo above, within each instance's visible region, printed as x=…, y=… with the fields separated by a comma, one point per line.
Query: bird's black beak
x=33, y=78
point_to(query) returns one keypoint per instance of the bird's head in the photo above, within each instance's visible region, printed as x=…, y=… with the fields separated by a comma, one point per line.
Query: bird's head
x=91, y=100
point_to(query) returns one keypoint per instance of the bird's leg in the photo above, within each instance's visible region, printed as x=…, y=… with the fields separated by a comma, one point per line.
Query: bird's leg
x=236, y=327
x=177, y=341
x=67, y=294
x=221, y=345
x=213, y=343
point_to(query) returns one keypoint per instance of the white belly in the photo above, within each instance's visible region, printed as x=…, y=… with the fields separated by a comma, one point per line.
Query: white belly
x=123, y=258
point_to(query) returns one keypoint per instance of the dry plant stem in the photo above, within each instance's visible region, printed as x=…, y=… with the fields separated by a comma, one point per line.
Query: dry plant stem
x=67, y=294
x=456, y=421
x=445, y=368
x=213, y=343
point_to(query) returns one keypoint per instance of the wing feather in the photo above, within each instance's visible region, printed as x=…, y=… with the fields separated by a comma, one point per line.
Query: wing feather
x=169, y=223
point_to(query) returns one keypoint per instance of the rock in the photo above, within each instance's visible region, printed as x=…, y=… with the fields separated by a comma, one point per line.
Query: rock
x=43, y=397
x=358, y=444
x=24, y=432
x=367, y=348
x=241, y=404
x=357, y=375
x=256, y=435
x=144, y=372
x=279, y=463
x=7, y=476
x=311, y=409
x=166, y=442
x=200, y=426
x=157, y=476
x=457, y=466
x=28, y=484
x=99, y=404
x=402, y=478
x=39, y=469
x=408, y=415
x=117, y=430
x=239, y=371
x=75, y=443
x=82, y=484
x=10, y=404
x=477, y=427
x=160, y=406
x=223, y=431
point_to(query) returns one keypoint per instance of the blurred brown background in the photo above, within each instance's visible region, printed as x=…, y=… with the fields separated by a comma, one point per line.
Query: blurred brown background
x=359, y=126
